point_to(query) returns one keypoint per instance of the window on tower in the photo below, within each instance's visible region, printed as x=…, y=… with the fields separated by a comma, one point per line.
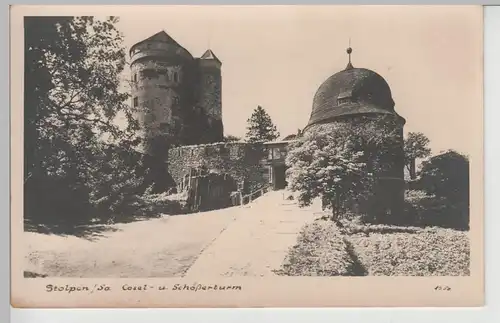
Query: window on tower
x=343, y=101
x=136, y=102
x=344, y=98
x=135, y=77
x=176, y=77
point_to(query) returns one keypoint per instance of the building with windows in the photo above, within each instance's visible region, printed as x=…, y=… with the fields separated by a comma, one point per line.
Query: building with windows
x=178, y=101
x=177, y=96
x=355, y=95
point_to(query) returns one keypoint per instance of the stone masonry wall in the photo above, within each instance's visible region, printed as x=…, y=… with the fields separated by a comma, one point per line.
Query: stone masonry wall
x=242, y=161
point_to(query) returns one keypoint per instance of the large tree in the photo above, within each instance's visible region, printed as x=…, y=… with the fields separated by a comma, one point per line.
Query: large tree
x=416, y=147
x=339, y=162
x=72, y=94
x=261, y=127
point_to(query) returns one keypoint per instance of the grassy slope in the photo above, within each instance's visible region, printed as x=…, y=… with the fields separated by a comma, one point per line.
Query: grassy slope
x=356, y=250
x=320, y=251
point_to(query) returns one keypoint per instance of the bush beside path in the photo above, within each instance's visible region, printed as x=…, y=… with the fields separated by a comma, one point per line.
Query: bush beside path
x=323, y=249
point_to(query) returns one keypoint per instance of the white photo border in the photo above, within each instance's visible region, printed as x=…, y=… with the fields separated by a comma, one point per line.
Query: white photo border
x=492, y=220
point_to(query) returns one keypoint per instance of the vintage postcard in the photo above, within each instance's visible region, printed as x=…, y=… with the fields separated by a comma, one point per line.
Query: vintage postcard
x=247, y=156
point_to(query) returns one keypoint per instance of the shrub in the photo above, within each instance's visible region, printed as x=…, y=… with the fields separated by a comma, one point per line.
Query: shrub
x=352, y=228
x=55, y=200
x=430, y=252
x=446, y=176
x=421, y=207
x=424, y=209
x=320, y=251
x=162, y=203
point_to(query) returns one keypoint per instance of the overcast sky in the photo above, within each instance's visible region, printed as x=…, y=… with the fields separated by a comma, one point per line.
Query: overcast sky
x=277, y=57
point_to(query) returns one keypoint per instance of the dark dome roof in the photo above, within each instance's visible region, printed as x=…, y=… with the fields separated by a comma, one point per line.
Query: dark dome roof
x=349, y=92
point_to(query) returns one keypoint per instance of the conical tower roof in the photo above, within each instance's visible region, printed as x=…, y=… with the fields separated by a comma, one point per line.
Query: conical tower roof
x=162, y=37
x=209, y=54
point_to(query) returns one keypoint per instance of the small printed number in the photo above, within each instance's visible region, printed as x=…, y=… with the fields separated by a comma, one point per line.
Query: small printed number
x=443, y=288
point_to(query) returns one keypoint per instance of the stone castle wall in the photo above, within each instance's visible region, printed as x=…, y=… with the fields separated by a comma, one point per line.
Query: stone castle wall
x=244, y=162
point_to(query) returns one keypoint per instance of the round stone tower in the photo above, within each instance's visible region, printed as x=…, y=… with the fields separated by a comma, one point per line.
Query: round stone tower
x=354, y=95
x=209, y=94
x=160, y=77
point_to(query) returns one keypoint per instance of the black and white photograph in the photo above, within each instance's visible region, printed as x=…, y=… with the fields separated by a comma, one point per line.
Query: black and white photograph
x=216, y=150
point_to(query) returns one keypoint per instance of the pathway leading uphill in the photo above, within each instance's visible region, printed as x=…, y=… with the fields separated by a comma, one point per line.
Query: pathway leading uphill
x=257, y=241
x=251, y=240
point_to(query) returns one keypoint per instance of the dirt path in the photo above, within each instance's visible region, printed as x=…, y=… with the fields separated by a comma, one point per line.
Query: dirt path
x=156, y=248
x=248, y=241
x=257, y=242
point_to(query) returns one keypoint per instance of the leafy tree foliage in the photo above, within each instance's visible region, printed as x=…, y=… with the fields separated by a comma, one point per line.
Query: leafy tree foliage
x=231, y=138
x=260, y=127
x=319, y=167
x=77, y=158
x=423, y=209
x=339, y=162
x=446, y=176
x=416, y=147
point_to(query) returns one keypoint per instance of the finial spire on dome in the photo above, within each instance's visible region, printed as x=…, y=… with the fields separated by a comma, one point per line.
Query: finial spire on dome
x=349, y=51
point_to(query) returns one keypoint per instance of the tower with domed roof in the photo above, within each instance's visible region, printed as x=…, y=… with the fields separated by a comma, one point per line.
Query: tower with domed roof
x=355, y=94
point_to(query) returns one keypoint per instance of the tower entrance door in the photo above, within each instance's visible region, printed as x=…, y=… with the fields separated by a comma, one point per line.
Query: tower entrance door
x=279, y=177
